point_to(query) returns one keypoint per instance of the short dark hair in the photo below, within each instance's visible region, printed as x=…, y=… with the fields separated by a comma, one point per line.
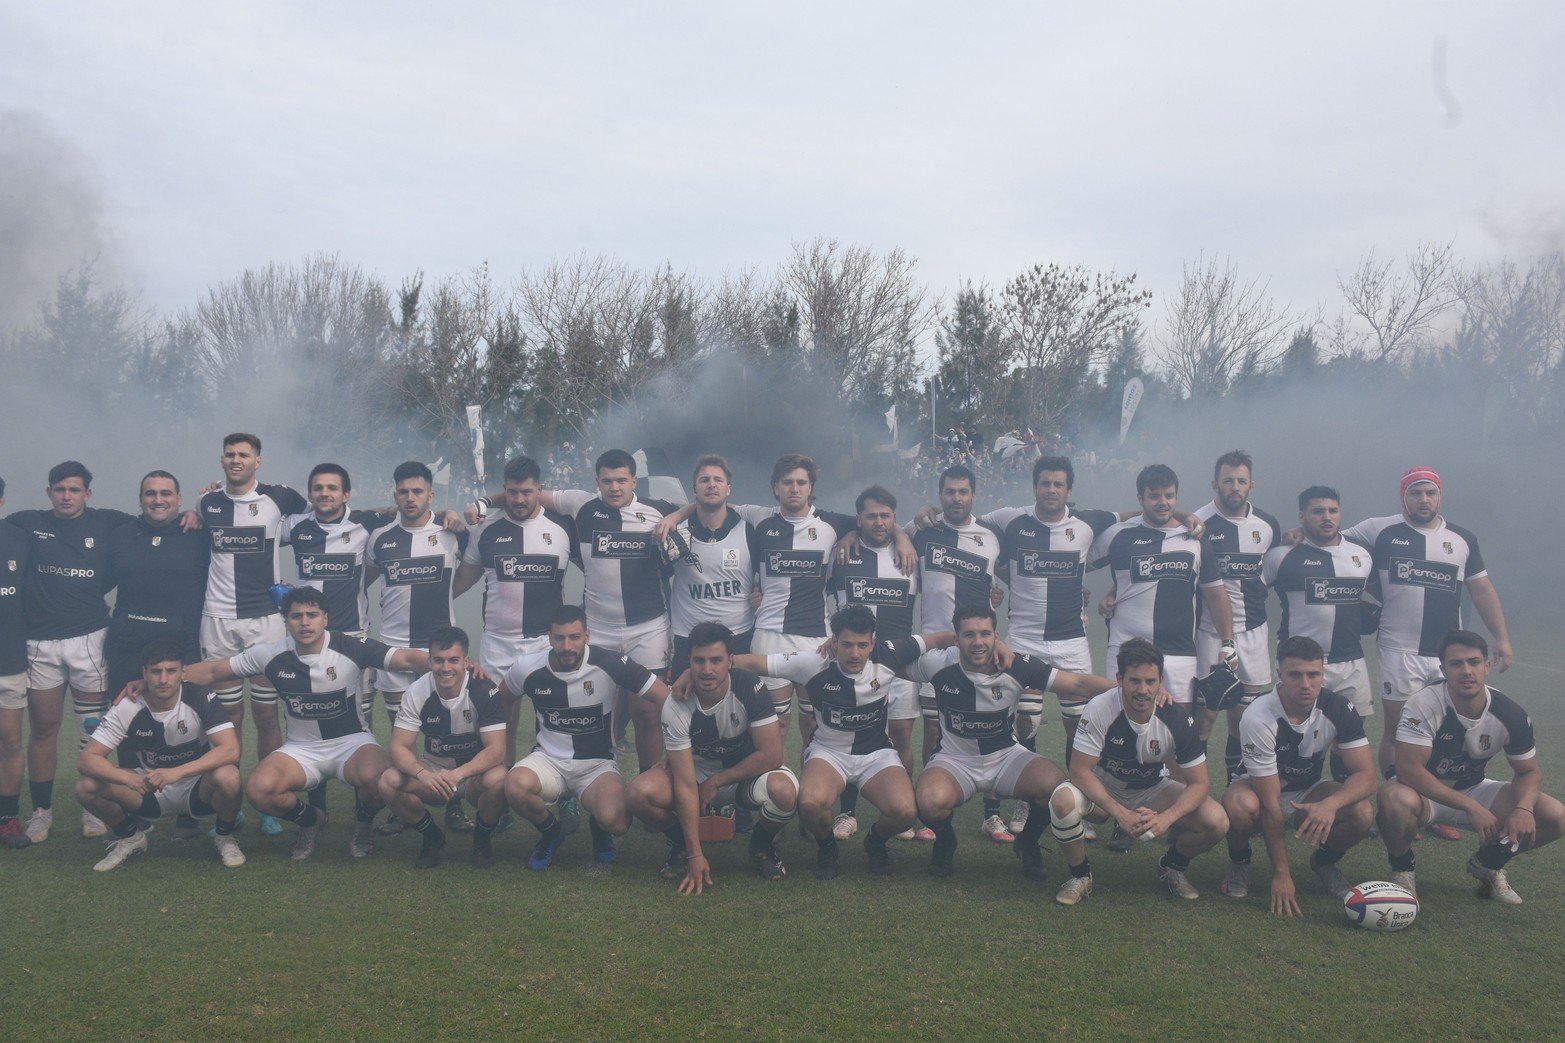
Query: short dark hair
x=957, y=473
x=1055, y=463
x=447, y=637
x=1236, y=458
x=149, y=474
x=336, y=469
x=879, y=493
x=412, y=469
x=1138, y=651
x=243, y=436
x=1463, y=639
x=857, y=618
x=297, y=596
x=163, y=650
x=565, y=615
x=70, y=469
x=1317, y=492
x=711, y=633
x=793, y=462
x=973, y=610
x=613, y=460
x=706, y=460
x=1156, y=476
x=1300, y=647
x=520, y=469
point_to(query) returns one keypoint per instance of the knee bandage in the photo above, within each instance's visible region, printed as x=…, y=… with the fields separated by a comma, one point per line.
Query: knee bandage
x=1067, y=827
x=761, y=795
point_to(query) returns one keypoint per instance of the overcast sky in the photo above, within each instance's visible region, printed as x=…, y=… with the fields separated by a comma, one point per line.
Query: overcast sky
x=981, y=138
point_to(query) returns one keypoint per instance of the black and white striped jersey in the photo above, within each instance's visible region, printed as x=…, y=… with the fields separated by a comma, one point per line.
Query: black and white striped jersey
x=624, y=572
x=977, y=711
x=68, y=574
x=718, y=590
x=1156, y=575
x=1237, y=547
x=1322, y=593
x=851, y=711
x=144, y=739
x=14, y=550
x=329, y=556
x=1460, y=747
x=1270, y=744
x=1421, y=576
x=574, y=710
x=870, y=577
x=246, y=532
x=1135, y=756
x=319, y=692
x=452, y=729
x=524, y=567
x=718, y=736
x=416, y=567
x=792, y=556
x=1048, y=561
x=956, y=566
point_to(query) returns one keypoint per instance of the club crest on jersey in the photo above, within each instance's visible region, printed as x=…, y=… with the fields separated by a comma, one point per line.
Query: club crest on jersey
x=586, y=686
x=1448, y=548
x=88, y=542
x=810, y=532
x=978, y=540
x=11, y=564
x=184, y=729
x=255, y=509
x=548, y=539
x=1356, y=561
x=331, y=673
x=467, y=714
x=346, y=537
x=640, y=517
x=1155, y=747
x=433, y=539
x=157, y=541
x=1255, y=536
x=873, y=684
x=1070, y=534
x=1483, y=742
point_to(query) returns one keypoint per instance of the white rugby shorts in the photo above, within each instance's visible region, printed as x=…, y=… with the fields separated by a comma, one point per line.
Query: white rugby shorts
x=226, y=638
x=13, y=691
x=994, y=773
x=1405, y=674
x=647, y=644
x=855, y=769
x=325, y=758
x=76, y=661
x=1255, y=657
x=565, y=778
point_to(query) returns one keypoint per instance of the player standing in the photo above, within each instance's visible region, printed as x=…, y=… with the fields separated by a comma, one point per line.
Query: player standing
x=13, y=678
x=712, y=583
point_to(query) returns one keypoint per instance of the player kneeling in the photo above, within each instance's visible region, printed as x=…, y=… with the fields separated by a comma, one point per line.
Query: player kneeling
x=463, y=726
x=1119, y=768
x=724, y=745
x=1285, y=737
x=1447, y=735
x=177, y=751
x=976, y=703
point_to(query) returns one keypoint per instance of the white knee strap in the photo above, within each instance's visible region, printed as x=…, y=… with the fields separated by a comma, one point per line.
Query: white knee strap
x=1067, y=828
x=761, y=796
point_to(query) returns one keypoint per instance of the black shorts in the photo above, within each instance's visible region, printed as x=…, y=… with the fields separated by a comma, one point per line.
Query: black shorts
x=681, y=658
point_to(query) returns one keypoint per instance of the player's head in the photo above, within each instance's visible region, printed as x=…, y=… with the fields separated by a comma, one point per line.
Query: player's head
x=413, y=489
x=305, y=615
x=854, y=630
x=159, y=497
x=616, y=471
x=793, y=481
x=711, y=657
x=958, y=487
x=1139, y=667
x=241, y=458
x=567, y=637
x=1157, y=490
x=523, y=480
x=448, y=661
x=1233, y=479
x=162, y=667
x=712, y=480
x=1320, y=513
x=876, y=508
x=70, y=487
x=1420, y=491
x=977, y=628
x=1464, y=661
x=1301, y=671
x=329, y=487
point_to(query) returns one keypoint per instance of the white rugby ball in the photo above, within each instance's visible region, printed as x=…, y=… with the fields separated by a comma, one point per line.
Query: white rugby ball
x=1380, y=905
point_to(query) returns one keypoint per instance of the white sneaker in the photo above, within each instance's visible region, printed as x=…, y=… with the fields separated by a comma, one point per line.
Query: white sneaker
x=1019, y=816
x=1177, y=883
x=304, y=843
x=1332, y=879
x=1405, y=880
x=121, y=850
x=994, y=829
x=844, y=826
x=362, y=843
x=1492, y=883
x=38, y=823
x=1074, y=890
x=228, y=851
x=92, y=825
x=908, y=834
x=1236, y=882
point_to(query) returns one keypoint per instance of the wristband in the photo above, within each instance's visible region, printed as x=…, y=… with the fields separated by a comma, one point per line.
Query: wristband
x=1527, y=810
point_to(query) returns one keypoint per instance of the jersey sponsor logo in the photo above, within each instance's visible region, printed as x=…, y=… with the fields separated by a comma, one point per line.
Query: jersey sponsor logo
x=1329, y=591
x=327, y=566
x=67, y=573
x=1431, y=575
x=1043, y=564
x=525, y=568
x=1239, y=566
x=572, y=720
x=1141, y=543
x=855, y=718
x=728, y=588
x=144, y=733
x=730, y=557
x=406, y=572
x=955, y=562
x=504, y=539
x=1150, y=568
x=863, y=591
x=721, y=749
x=790, y=564
x=621, y=544
x=317, y=706
x=449, y=745
x=240, y=539
x=9, y=592
x=977, y=724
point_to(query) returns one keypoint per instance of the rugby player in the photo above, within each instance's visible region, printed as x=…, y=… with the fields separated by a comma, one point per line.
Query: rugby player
x=177, y=751
x=724, y=746
x=1285, y=736
x=1447, y=734
x=714, y=581
x=13, y=679
x=1119, y=768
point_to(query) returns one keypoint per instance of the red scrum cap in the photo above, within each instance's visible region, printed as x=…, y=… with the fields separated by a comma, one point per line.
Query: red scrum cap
x=1416, y=475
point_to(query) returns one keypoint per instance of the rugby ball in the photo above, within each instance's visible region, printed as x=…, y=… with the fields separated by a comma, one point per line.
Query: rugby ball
x=1380, y=905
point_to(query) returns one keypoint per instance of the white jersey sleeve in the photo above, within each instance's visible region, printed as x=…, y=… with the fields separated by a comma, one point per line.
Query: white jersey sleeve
x=797, y=667
x=754, y=513
x=1258, y=741
x=570, y=501
x=410, y=713
x=1093, y=726
x=111, y=729
x=676, y=724
x=252, y=661
x=1421, y=718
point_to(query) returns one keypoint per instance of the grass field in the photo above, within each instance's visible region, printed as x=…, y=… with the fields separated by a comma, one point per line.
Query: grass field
x=174, y=946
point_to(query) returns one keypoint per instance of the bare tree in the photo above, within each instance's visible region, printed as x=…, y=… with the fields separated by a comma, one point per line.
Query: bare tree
x=1513, y=329
x=1218, y=327
x=1400, y=306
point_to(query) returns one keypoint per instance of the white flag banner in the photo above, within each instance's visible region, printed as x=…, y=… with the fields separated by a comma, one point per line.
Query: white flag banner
x=891, y=422
x=475, y=427
x=1127, y=407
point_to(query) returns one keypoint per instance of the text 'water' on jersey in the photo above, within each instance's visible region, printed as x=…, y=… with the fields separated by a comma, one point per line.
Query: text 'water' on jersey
x=246, y=533
x=1421, y=575
x=1237, y=547
x=68, y=571
x=715, y=587
x=524, y=567
x=956, y=566
x=416, y=567
x=1047, y=562
x=1156, y=575
x=452, y=729
x=870, y=578
x=1322, y=594
x=850, y=710
x=1271, y=744
x=623, y=570
x=146, y=740
x=329, y=556
x=1135, y=756
x=977, y=711
x=718, y=736
x=574, y=710
x=318, y=692
x=792, y=556
x=1460, y=747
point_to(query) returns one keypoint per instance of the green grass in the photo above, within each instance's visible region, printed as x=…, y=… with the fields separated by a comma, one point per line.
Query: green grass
x=174, y=946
